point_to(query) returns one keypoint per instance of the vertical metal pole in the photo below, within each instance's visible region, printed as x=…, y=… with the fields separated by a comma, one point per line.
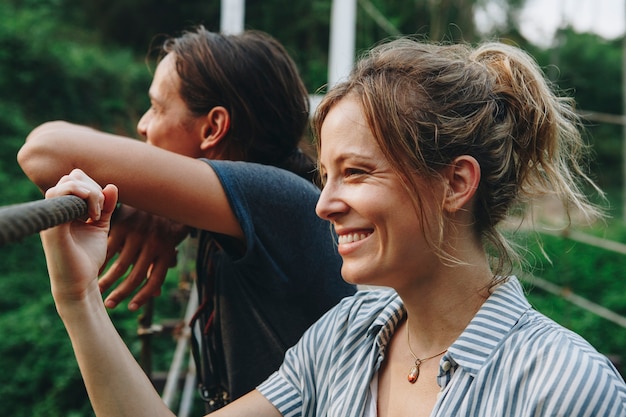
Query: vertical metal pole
x=232, y=16
x=342, y=39
x=624, y=125
x=145, y=332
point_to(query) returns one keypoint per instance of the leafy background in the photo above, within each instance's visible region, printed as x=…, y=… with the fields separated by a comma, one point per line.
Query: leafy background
x=86, y=62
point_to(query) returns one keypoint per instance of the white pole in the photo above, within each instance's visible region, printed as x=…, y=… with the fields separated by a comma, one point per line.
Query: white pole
x=624, y=126
x=342, y=39
x=232, y=16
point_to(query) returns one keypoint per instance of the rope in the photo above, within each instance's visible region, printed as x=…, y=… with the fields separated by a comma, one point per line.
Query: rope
x=20, y=220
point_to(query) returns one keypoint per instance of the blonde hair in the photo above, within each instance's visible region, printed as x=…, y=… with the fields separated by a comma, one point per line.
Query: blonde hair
x=427, y=104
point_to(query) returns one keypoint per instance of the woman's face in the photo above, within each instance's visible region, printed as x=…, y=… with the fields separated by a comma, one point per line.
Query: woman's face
x=168, y=123
x=380, y=236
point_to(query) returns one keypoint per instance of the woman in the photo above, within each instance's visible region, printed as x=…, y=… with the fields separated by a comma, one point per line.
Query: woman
x=423, y=150
x=267, y=267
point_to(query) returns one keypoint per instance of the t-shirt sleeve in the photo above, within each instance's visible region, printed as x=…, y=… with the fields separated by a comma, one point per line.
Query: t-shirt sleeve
x=276, y=211
x=263, y=197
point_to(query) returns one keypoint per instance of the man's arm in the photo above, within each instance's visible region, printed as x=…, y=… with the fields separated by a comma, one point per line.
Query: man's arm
x=154, y=180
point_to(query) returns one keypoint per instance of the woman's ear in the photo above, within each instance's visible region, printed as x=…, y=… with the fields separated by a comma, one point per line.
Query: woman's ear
x=462, y=177
x=215, y=127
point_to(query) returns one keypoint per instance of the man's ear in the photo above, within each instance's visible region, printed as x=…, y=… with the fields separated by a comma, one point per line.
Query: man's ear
x=215, y=127
x=462, y=177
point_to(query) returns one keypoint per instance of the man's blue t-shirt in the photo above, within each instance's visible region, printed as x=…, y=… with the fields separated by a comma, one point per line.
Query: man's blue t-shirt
x=269, y=290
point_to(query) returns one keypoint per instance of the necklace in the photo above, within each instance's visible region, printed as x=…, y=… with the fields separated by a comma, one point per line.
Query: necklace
x=414, y=372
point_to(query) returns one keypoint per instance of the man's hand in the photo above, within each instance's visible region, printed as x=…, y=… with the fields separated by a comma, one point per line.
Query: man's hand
x=148, y=244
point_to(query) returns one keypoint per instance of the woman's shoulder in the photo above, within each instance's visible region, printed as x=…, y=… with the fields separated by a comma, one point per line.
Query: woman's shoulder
x=367, y=307
x=352, y=322
x=537, y=328
x=541, y=340
x=542, y=354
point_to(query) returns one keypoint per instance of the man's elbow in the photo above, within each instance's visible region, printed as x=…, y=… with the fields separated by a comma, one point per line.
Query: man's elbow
x=34, y=157
x=32, y=166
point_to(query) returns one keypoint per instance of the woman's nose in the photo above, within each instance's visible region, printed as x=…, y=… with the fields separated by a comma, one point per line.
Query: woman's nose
x=330, y=203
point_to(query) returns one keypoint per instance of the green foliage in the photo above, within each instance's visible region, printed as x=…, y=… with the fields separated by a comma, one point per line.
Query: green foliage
x=41, y=374
x=48, y=74
x=50, y=71
x=590, y=272
x=41, y=377
x=85, y=62
x=588, y=68
x=306, y=37
x=588, y=64
x=135, y=23
x=45, y=380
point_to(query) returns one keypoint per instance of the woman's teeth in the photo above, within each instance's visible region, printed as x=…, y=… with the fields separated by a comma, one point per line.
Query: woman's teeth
x=352, y=237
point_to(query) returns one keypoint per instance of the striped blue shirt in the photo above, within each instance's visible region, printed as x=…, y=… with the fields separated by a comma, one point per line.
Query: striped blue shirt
x=510, y=361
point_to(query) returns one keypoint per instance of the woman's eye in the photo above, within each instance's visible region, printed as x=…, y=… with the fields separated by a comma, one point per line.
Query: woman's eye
x=353, y=171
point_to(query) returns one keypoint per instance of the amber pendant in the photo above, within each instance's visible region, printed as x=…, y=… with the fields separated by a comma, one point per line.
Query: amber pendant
x=414, y=373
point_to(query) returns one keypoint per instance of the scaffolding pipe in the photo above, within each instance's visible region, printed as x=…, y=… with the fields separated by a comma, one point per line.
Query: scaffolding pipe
x=342, y=40
x=232, y=16
x=624, y=126
x=173, y=375
x=189, y=389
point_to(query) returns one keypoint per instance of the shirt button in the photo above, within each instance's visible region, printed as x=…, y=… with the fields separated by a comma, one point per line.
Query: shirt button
x=446, y=365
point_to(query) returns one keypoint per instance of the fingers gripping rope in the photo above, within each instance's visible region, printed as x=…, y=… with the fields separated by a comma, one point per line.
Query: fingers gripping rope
x=20, y=220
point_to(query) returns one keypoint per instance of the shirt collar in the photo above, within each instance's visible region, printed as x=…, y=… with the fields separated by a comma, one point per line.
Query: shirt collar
x=487, y=330
x=385, y=324
x=489, y=327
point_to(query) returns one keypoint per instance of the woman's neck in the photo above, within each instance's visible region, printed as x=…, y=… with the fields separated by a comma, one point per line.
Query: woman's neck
x=440, y=309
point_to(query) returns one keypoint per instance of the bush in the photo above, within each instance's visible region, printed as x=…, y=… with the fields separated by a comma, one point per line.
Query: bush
x=590, y=272
x=50, y=71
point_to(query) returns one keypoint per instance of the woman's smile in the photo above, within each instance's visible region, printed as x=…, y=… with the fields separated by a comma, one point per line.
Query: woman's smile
x=350, y=241
x=352, y=237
